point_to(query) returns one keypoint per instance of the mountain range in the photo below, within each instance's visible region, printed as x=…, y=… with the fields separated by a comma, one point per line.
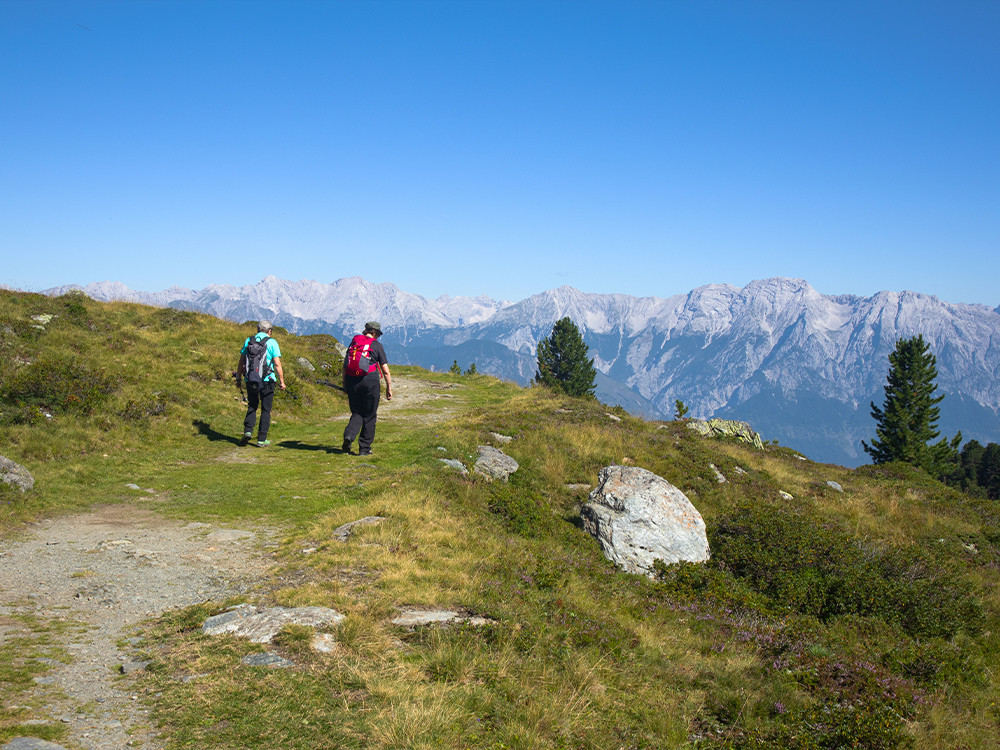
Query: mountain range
x=800, y=366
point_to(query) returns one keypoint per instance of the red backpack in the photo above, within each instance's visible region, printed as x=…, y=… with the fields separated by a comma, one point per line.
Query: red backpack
x=358, y=360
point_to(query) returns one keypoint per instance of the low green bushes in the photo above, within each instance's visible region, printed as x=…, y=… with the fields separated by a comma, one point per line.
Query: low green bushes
x=52, y=385
x=819, y=569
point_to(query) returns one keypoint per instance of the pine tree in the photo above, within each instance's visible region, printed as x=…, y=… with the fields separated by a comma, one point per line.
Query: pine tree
x=455, y=369
x=907, y=421
x=472, y=370
x=563, y=363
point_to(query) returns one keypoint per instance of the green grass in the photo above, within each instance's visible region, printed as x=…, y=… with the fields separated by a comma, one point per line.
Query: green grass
x=744, y=652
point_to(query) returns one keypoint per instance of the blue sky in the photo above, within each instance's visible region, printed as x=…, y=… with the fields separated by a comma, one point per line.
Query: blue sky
x=503, y=148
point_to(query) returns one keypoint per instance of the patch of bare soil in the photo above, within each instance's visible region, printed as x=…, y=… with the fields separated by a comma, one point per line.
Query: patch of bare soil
x=108, y=570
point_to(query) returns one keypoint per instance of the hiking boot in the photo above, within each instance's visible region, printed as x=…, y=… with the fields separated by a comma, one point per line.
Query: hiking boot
x=246, y=438
x=263, y=443
x=365, y=452
x=346, y=446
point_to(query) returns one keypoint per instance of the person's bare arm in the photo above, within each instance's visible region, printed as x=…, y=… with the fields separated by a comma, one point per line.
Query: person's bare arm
x=388, y=381
x=277, y=368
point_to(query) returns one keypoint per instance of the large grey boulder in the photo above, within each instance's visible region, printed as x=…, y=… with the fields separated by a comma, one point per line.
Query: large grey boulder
x=638, y=517
x=493, y=463
x=15, y=475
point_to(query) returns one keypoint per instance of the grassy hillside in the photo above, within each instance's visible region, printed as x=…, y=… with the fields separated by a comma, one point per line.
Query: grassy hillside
x=866, y=617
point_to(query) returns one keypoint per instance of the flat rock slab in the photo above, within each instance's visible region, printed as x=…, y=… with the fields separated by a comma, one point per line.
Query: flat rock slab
x=272, y=661
x=31, y=743
x=341, y=533
x=261, y=625
x=454, y=463
x=493, y=463
x=413, y=618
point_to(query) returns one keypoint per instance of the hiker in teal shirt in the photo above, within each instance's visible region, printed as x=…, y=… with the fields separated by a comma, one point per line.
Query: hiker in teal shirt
x=268, y=369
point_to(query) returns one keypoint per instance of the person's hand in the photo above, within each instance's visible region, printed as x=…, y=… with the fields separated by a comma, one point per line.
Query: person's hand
x=282, y=386
x=388, y=394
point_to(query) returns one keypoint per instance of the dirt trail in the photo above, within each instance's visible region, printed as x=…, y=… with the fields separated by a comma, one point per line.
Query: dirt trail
x=108, y=570
x=105, y=571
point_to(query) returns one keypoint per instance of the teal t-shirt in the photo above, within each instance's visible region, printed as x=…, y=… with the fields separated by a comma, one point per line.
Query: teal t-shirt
x=273, y=350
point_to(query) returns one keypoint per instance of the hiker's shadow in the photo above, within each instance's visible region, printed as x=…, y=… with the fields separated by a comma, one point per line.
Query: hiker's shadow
x=298, y=445
x=204, y=428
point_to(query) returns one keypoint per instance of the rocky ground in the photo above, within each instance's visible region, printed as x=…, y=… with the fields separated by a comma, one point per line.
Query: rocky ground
x=96, y=576
x=101, y=574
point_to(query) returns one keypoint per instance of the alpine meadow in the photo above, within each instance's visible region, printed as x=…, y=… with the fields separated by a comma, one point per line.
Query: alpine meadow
x=840, y=608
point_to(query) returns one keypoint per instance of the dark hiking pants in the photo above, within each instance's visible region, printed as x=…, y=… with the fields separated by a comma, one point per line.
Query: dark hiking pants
x=363, y=395
x=262, y=395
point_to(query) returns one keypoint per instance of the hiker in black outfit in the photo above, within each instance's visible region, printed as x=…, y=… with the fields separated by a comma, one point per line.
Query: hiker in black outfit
x=364, y=390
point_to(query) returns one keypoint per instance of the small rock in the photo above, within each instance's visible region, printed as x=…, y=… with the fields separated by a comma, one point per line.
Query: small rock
x=493, y=463
x=502, y=439
x=341, y=533
x=306, y=364
x=31, y=743
x=133, y=486
x=613, y=417
x=454, y=463
x=412, y=618
x=272, y=661
x=323, y=643
x=785, y=495
x=129, y=667
x=719, y=477
x=835, y=486
x=14, y=474
x=577, y=486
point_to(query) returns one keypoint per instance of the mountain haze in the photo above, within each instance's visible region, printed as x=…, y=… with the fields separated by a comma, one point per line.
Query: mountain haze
x=801, y=366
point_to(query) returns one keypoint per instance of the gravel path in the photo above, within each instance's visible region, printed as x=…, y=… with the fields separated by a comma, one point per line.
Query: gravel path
x=108, y=570
x=118, y=565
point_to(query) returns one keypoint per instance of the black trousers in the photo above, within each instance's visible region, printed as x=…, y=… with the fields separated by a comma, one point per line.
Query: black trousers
x=262, y=396
x=363, y=394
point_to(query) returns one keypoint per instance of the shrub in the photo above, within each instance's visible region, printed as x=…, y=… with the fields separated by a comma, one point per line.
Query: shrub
x=818, y=569
x=57, y=385
x=521, y=510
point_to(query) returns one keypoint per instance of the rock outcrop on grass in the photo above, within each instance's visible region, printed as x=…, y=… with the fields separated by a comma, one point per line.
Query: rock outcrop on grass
x=493, y=463
x=342, y=533
x=261, y=625
x=638, y=517
x=15, y=475
x=742, y=431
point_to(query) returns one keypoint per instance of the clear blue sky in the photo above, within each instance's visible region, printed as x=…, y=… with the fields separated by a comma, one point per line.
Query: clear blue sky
x=503, y=148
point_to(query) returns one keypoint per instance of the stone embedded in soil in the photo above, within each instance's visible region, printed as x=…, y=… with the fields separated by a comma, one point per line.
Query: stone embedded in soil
x=412, y=618
x=341, y=533
x=493, y=463
x=261, y=625
x=267, y=660
x=31, y=743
